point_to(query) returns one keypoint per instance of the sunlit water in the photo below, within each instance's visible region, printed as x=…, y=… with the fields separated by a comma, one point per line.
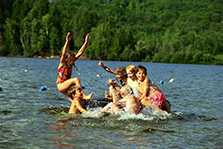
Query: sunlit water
x=195, y=93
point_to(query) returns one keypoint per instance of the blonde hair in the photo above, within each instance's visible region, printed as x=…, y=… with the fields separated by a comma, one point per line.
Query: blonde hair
x=131, y=68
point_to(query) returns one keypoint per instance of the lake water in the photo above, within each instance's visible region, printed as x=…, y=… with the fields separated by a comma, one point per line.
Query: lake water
x=196, y=96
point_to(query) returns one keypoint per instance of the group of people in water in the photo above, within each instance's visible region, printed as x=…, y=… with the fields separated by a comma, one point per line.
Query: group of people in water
x=130, y=92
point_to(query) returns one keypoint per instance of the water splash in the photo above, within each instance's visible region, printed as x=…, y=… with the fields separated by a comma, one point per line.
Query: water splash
x=93, y=113
x=147, y=115
x=127, y=116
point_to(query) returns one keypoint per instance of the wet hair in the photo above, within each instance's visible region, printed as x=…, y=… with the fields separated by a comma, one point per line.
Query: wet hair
x=132, y=68
x=121, y=72
x=68, y=54
x=71, y=57
x=72, y=90
x=140, y=67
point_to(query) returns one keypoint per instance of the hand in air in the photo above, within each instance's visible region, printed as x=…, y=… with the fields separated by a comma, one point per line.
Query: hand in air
x=100, y=63
x=69, y=36
x=86, y=37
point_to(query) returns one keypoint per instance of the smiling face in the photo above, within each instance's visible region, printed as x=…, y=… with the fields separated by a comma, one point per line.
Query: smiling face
x=141, y=75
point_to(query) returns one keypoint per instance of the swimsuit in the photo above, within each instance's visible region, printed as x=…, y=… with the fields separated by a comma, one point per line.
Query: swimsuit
x=64, y=73
x=158, y=98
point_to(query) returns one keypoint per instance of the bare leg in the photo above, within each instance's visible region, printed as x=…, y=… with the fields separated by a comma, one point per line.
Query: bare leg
x=62, y=87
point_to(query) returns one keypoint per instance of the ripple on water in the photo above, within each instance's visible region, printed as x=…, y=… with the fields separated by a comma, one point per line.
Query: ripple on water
x=8, y=135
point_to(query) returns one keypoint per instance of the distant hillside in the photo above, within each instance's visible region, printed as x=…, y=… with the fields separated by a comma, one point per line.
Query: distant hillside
x=171, y=31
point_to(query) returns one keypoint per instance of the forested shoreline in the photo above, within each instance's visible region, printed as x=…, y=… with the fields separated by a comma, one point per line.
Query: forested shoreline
x=170, y=31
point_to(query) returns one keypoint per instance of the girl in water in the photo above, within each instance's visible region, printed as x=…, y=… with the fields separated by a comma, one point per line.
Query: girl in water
x=150, y=95
x=67, y=60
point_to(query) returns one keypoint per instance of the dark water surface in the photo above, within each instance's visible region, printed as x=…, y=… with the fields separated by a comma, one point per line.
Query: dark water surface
x=196, y=95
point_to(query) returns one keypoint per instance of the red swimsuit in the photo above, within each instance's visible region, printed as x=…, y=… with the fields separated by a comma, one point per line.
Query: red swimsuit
x=64, y=73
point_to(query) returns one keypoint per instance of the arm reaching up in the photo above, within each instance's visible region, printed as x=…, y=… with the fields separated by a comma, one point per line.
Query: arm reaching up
x=83, y=47
x=66, y=46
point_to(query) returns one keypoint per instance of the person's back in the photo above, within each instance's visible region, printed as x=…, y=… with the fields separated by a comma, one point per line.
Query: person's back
x=132, y=104
x=129, y=102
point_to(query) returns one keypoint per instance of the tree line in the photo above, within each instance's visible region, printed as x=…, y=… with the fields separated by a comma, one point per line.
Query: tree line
x=170, y=31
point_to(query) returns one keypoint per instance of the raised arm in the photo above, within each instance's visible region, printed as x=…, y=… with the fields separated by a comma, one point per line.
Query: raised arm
x=83, y=47
x=66, y=46
x=106, y=68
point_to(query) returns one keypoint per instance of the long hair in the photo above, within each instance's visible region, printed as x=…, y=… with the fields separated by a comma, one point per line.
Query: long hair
x=140, y=67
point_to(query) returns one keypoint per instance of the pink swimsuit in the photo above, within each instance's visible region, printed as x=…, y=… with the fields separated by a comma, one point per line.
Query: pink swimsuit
x=158, y=98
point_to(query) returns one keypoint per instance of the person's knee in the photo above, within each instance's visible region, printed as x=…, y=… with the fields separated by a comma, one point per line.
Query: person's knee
x=60, y=88
x=76, y=81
